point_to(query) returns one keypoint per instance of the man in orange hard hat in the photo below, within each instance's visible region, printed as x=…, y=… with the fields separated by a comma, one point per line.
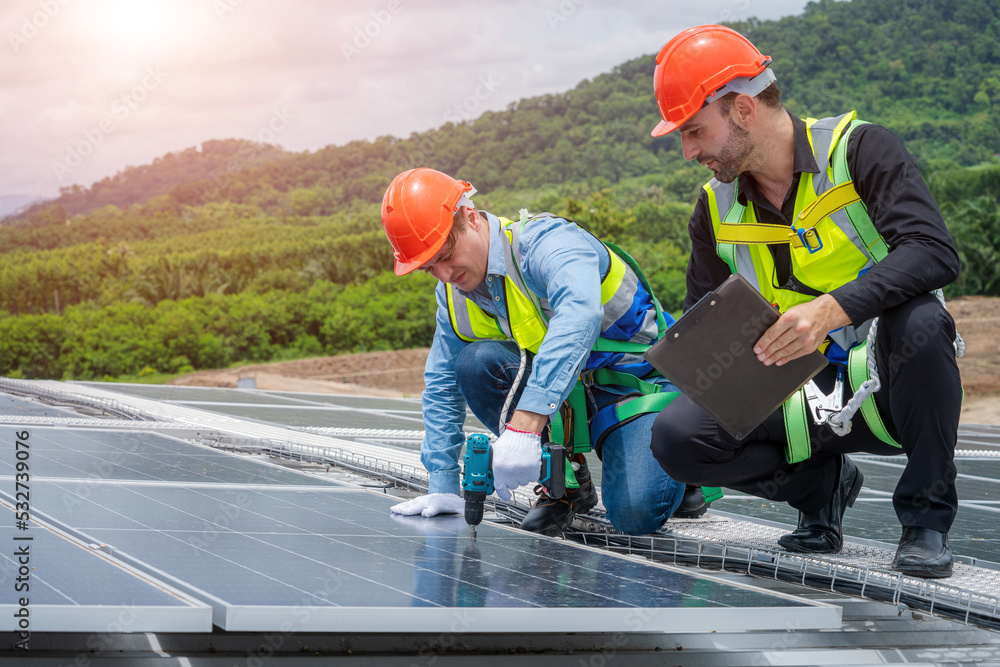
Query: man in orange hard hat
x=873, y=246
x=524, y=309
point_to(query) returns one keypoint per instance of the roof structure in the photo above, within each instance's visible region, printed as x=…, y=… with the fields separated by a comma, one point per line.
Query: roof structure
x=183, y=525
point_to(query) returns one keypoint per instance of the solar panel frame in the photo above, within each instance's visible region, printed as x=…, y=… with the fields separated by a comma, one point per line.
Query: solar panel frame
x=100, y=595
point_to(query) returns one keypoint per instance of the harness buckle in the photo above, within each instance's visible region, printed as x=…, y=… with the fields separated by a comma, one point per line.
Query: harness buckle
x=824, y=406
x=810, y=239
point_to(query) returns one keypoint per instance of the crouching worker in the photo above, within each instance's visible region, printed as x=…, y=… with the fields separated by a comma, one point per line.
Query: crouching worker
x=831, y=221
x=525, y=309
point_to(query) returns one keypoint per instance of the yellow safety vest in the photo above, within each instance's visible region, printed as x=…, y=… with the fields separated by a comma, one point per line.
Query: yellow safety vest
x=847, y=242
x=526, y=318
x=835, y=243
x=526, y=322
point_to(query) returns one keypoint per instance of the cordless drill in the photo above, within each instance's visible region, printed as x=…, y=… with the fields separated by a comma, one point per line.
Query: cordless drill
x=477, y=476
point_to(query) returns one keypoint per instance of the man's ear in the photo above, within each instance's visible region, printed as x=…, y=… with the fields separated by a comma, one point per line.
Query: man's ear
x=471, y=217
x=744, y=111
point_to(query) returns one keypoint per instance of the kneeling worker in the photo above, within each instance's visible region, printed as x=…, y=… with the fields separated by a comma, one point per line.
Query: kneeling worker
x=545, y=286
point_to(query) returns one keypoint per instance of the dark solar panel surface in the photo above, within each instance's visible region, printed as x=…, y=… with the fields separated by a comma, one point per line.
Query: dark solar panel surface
x=23, y=407
x=194, y=394
x=242, y=534
x=332, y=417
x=280, y=546
x=91, y=454
x=976, y=531
x=52, y=557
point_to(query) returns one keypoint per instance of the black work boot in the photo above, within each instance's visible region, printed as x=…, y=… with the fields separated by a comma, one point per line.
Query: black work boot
x=693, y=503
x=551, y=516
x=820, y=532
x=923, y=552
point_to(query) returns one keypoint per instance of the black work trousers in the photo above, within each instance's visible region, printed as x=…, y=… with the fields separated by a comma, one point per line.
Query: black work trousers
x=921, y=393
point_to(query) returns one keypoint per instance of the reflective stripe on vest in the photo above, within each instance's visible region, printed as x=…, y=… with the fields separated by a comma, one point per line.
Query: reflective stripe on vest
x=526, y=318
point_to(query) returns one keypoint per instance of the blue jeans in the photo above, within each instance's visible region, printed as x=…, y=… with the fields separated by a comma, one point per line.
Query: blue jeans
x=637, y=493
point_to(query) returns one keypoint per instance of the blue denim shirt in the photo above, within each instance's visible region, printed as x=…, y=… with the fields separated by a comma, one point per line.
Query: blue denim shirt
x=558, y=263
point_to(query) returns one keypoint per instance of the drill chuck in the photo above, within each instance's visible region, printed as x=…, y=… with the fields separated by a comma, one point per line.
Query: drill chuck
x=474, y=502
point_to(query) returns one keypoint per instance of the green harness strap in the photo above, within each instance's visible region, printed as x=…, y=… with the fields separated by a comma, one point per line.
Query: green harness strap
x=651, y=400
x=857, y=374
x=607, y=345
x=796, y=414
x=797, y=446
x=577, y=398
x=856, y=211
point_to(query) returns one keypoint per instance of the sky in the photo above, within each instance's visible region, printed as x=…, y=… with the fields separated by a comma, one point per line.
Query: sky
x=89, y=87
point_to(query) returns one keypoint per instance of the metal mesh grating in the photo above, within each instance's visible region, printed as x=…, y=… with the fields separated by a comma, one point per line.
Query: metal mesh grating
x=107, y=405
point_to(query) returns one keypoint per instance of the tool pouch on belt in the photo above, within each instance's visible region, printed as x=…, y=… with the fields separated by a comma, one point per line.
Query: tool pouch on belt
x=560, y=432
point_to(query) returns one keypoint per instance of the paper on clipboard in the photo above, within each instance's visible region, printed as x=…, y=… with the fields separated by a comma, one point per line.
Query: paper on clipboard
x=708, y=354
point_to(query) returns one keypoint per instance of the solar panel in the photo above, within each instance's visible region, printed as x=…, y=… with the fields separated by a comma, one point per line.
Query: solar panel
x=92, y=454
x=191, y=394
x=260, y=555
x=15, y=406
x=262, y=544
x=317, y=416
x=71, y=587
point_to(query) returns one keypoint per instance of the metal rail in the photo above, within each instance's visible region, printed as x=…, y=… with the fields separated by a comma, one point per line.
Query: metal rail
x=56, y=397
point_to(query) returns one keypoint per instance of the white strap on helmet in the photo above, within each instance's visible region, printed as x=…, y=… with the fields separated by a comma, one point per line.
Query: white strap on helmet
x=743, y=85
x=466, y=199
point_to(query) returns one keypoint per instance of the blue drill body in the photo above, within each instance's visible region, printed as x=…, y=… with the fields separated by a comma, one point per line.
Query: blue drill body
x=477, y=479
x=477, y=476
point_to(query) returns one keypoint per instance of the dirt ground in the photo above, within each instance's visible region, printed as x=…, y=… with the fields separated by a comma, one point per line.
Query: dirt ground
x=395, y=374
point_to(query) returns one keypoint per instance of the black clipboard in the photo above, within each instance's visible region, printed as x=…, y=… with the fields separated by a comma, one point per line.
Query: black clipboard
x=708, y=354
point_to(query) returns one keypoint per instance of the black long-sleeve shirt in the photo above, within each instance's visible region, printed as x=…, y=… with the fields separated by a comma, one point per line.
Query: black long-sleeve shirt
x=921, y=258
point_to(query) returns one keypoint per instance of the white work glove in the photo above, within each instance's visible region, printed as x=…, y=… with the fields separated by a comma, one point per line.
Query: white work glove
x=431, y=505
x=517, y=460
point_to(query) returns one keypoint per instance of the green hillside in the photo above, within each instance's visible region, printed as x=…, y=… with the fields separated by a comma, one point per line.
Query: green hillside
x=243, y=252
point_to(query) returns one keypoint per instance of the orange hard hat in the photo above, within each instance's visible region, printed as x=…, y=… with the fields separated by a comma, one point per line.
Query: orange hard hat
x=697, y=64
x=418, y=211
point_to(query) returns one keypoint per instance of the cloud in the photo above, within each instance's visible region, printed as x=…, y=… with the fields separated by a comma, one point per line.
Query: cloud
x=342, y=70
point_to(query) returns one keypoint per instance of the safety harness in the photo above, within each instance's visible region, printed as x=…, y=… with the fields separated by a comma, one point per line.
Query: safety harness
x=578, y=423
x=645, y=398
x=857, y=226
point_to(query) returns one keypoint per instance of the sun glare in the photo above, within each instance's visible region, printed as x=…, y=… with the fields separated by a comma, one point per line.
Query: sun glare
x=143, y=25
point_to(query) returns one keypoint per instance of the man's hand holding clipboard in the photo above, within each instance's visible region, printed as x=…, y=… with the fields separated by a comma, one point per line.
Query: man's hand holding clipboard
x=709, y=354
